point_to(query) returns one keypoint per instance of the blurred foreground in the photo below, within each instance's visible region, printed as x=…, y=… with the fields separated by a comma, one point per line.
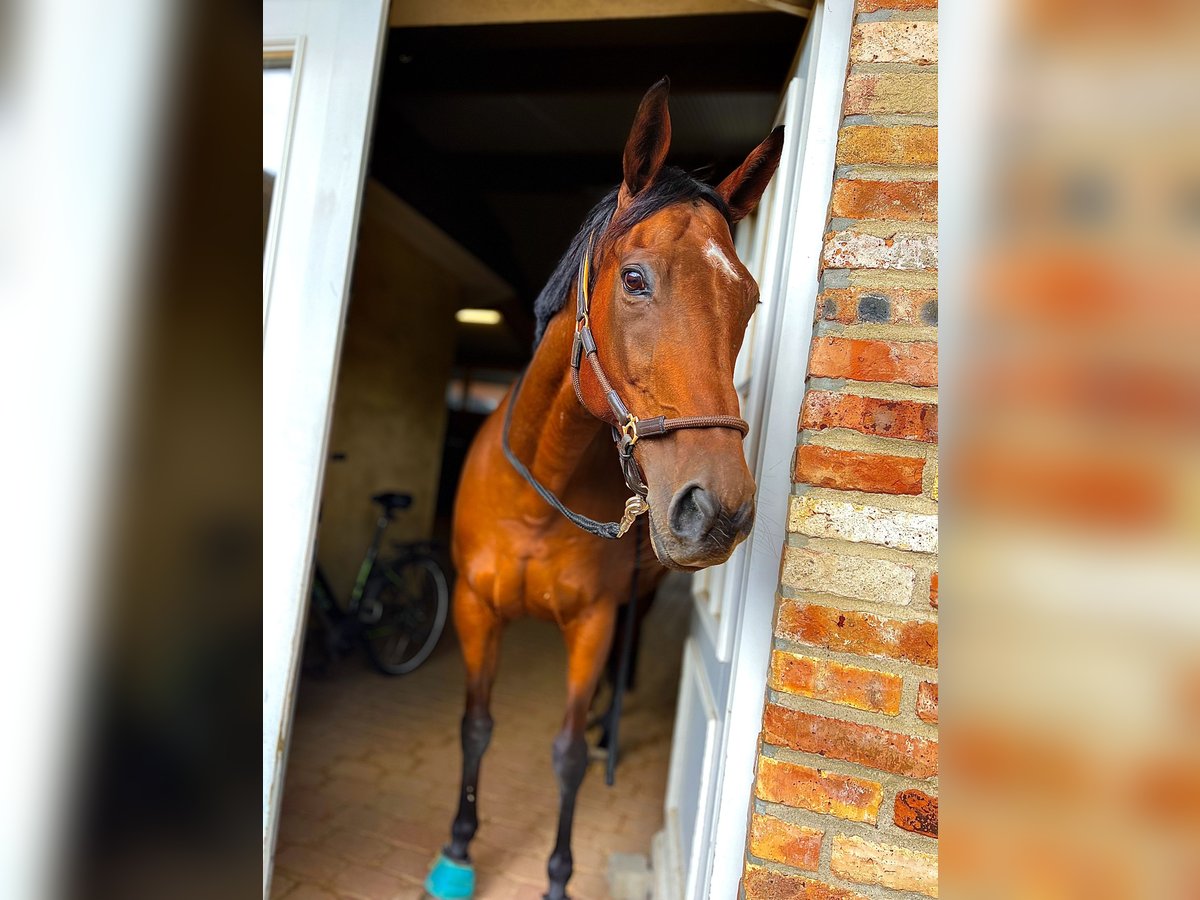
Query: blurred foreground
x=130, y=340
x=1071, y=451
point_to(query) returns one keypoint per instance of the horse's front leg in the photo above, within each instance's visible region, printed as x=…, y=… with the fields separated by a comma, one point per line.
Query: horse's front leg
x=588, y=639
x=479, y=628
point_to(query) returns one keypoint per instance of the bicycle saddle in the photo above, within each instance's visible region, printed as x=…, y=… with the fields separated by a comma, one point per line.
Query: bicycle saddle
x=392, y=501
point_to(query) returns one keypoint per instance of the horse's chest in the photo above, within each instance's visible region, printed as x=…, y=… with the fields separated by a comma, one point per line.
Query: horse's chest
x=552, y=578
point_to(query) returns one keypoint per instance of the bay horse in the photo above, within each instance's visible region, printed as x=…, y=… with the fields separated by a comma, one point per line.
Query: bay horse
x=662, y=304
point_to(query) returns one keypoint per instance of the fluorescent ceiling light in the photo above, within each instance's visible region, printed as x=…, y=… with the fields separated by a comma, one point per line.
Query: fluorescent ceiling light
x=479, y=316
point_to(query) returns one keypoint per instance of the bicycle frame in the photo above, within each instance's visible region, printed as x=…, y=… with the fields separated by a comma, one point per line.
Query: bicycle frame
x=368, y=563
x=362, y=619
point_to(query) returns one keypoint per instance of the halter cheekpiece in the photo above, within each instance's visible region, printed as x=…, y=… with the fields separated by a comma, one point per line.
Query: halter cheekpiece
x=627, y=428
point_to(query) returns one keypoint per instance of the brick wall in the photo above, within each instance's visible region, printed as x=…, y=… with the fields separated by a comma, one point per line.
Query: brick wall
x=845, y=799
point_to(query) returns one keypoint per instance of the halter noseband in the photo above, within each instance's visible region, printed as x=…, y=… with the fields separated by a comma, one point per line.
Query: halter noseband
x=627, y=430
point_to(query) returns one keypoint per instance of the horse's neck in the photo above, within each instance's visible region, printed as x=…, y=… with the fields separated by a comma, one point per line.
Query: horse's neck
x=551, y=431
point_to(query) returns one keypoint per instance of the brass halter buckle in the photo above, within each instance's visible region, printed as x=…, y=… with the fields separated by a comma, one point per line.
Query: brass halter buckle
x=634, y=507
x=629, y=429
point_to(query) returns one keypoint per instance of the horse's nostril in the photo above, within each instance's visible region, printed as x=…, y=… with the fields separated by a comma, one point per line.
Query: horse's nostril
x=693, y=512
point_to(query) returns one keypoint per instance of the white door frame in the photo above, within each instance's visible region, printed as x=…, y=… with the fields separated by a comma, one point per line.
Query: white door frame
x=763, y=241
x=306, y=274
x=823, y=72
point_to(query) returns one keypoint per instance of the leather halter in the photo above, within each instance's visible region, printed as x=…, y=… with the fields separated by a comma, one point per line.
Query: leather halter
x=627, y=428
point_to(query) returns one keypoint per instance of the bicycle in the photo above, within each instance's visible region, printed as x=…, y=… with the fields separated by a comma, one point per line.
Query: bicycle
x=397, y=608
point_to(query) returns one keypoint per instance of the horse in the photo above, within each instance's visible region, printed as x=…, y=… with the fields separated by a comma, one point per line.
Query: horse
x=645, y=359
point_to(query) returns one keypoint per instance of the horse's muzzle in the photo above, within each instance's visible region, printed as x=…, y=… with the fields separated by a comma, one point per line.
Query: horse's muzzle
x=700, y=531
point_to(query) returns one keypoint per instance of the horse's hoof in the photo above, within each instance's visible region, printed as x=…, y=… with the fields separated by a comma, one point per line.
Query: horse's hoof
x=450, y=879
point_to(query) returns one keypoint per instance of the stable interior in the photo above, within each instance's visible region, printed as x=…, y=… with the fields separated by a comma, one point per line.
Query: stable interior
x=491, y=143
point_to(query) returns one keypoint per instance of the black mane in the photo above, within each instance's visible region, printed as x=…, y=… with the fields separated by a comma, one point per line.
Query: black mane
x=672, y=186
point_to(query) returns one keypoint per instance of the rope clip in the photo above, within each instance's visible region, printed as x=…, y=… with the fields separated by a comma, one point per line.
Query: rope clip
x=634, y=507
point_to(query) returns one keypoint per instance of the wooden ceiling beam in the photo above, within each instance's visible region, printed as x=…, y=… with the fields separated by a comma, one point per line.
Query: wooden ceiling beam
x=424, y=13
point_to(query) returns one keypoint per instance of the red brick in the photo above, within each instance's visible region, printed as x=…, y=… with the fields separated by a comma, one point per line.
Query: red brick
x=906, y=362
x=904, y=419
x=829, y=793
x=856, y=859
x=1165, y=788
x=866, y=6
x=927, y=702
x=881, y=93
x=866, y=745
x=859, y=248
x=1076, y=484
x=760, y=883
x=857, y=577
x=897, y=145
x=905, y=41
x=849, y=470
x=845, y=518
x=848, y=631
x=933, y=590
x=784, y=842
x=824, y=679
x=917, y=812
x=885, y=306
x=899, y=200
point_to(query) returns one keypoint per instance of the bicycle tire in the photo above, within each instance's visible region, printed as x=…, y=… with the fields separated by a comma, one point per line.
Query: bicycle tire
x=410, y=591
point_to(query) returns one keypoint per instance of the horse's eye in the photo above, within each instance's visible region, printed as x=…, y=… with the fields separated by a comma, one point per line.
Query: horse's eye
x=634, y=281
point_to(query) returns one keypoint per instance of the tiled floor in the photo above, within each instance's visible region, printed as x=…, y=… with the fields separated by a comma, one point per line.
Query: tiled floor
x=373, y=774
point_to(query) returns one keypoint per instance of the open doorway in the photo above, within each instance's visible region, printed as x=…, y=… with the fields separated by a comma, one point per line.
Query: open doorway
x=491, y=143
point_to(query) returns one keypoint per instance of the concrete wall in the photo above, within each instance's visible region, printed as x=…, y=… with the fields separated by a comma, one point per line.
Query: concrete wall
x=389, y=413
x=846, y=798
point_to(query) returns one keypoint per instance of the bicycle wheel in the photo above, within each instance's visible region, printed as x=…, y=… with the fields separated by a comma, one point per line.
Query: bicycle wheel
x=403, y=612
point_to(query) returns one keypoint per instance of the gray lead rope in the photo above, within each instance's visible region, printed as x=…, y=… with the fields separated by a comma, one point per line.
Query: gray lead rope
x=610, y=530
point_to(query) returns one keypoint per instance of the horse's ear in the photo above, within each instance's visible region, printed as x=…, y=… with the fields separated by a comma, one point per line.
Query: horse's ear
x=649, y=140
x=745, y=184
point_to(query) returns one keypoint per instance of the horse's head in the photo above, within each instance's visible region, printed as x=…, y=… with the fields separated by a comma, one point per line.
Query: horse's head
x=670, y=303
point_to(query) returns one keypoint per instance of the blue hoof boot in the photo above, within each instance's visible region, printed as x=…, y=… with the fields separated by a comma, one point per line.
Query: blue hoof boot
x=450, y=879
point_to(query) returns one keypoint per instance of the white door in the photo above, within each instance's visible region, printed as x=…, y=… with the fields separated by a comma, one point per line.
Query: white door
x=325, y=55
x=699, y=854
